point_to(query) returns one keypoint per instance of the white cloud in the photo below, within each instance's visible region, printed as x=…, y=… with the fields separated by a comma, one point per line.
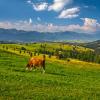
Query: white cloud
x=58, y=5
x=89, y=26
x=40, y=7
x=19, y=25
x=89, y=22
x=30, y=21
x=29, y=1
x=69, y=13
x=86, y=6
x=38, y=19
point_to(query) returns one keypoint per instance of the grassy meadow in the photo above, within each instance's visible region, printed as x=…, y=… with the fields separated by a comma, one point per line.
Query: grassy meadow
x=63, y=80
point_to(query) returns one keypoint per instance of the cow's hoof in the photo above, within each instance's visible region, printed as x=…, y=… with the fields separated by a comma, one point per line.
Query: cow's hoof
x=34, y=70
x=43, y=71
x=30, y=69
x=26, y=68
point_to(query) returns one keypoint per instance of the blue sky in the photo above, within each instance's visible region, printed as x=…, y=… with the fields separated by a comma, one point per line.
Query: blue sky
x=51, y=15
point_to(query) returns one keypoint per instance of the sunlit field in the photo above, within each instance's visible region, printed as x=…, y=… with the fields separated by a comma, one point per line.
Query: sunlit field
x=63, y=80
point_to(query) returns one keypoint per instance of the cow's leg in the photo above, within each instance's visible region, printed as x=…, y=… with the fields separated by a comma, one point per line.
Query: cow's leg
x=30, y=68
x=43, y=71
x=27, y=68
x=43, y=67
x=34, y=67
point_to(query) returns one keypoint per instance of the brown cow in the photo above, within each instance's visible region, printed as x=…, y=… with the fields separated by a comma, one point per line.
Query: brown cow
x=35, y=62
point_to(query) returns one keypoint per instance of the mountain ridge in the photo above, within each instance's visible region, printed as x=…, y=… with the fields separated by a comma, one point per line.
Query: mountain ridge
x=32, y=36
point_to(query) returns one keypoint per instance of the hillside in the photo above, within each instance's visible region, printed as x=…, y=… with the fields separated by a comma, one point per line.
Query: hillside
x=73, y=80
x=58, y=50
x=93, y=45
x=33, y=36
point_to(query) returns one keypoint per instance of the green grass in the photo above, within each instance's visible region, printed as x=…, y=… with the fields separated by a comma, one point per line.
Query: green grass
x=60, y=82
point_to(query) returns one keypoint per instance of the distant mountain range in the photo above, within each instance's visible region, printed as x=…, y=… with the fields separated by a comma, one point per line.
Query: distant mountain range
x=34, y=36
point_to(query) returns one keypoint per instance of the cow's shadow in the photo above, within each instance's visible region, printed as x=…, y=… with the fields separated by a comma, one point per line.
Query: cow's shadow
x=19, y=70
x=37, y=70
x=54, y=73
x=24, y=70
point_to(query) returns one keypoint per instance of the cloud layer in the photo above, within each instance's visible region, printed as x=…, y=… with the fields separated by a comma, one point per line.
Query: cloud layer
x=89, y=26
x=57, y=5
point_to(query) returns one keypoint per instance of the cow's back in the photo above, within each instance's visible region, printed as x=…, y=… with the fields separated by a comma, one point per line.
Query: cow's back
x=35, y=61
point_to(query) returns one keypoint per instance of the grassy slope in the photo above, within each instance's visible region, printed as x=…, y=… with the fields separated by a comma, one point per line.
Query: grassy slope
x=61, y=81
